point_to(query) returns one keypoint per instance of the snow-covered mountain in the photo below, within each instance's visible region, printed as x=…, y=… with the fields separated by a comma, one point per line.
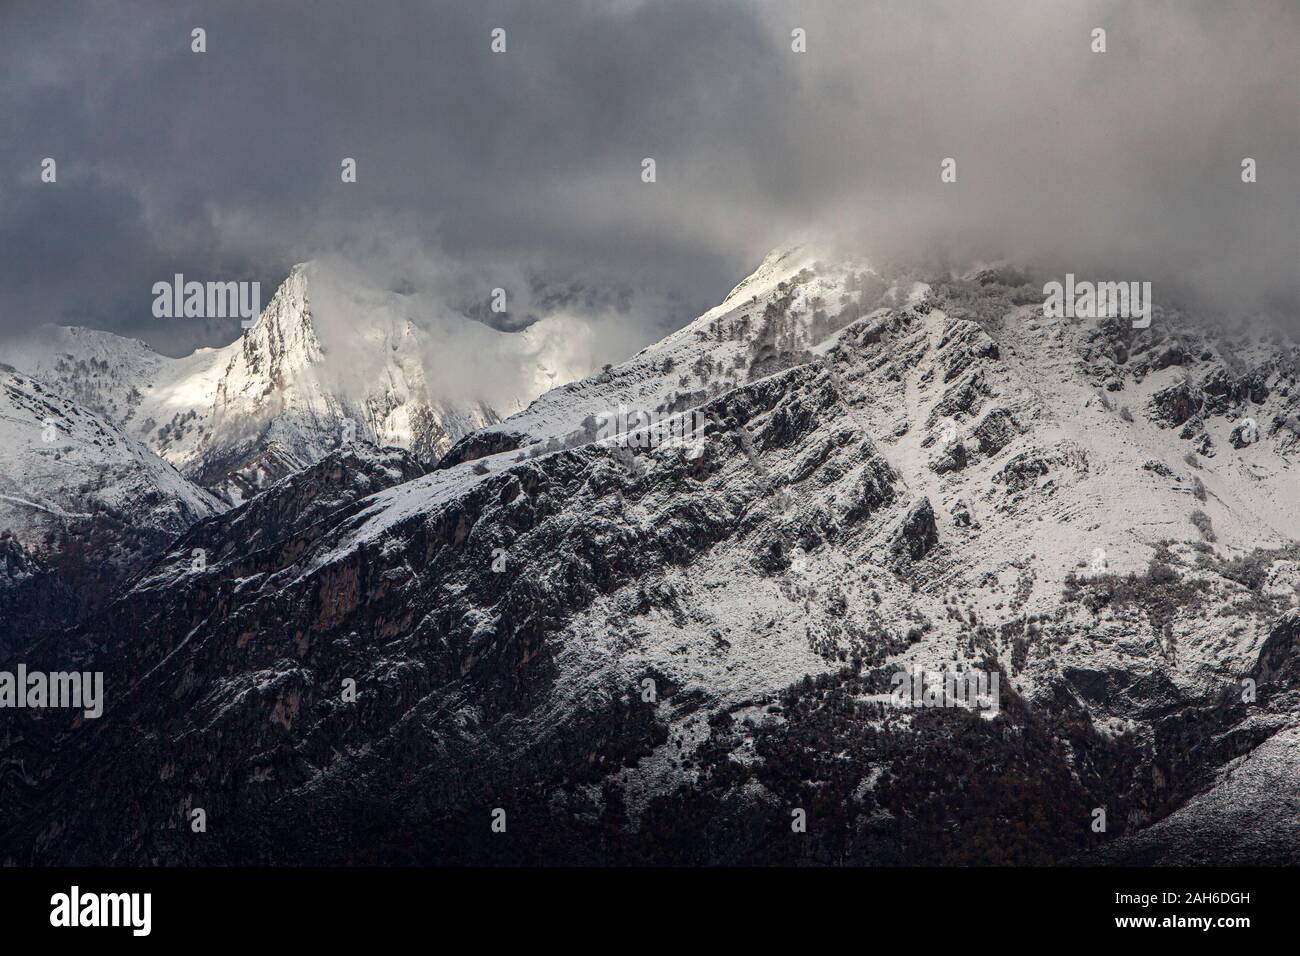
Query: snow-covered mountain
x=330, y=362
x=646, y=655
x=286, y=392
x=83, y=506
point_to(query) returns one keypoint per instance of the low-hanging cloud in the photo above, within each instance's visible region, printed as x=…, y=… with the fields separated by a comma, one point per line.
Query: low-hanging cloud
x=522, y=169
x=402, y=314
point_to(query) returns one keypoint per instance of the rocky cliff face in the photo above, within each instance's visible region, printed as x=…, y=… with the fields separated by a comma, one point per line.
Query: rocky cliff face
x=640, y=654
x=237, y=419
x=234, y=421
x=83, y=507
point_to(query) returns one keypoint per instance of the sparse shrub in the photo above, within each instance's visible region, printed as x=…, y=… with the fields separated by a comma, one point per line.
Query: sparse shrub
x=1161, y=572
x=1191, y=459
x=1019, y=654
x=1125, y=414
x=1161, y=592
x=1202, y=522
x=1251, y=570
x=1198, y=488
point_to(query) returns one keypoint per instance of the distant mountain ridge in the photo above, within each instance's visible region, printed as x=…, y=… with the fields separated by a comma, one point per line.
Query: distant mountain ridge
x=83, y=507
x=235, y=419
x=645, y=656
x=302, y=382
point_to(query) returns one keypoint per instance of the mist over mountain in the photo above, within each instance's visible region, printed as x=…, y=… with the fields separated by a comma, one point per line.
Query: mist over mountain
x=1125, y=163
x=455, y=437
x=644, y=653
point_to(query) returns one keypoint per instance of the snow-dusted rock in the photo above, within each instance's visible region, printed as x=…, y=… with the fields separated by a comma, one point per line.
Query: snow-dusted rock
x=281, y=396
x=83, y=506
x=648, y=656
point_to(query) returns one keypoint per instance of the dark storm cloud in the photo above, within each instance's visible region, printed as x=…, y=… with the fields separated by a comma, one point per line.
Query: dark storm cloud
x=226, y=164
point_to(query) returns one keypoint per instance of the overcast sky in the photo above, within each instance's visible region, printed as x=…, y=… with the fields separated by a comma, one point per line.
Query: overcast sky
x=473, y=165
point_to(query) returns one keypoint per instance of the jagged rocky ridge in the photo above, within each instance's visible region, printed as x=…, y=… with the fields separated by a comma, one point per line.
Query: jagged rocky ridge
x=282, y=395
x=501, y=616
x=83, y=507
x=233, y=420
